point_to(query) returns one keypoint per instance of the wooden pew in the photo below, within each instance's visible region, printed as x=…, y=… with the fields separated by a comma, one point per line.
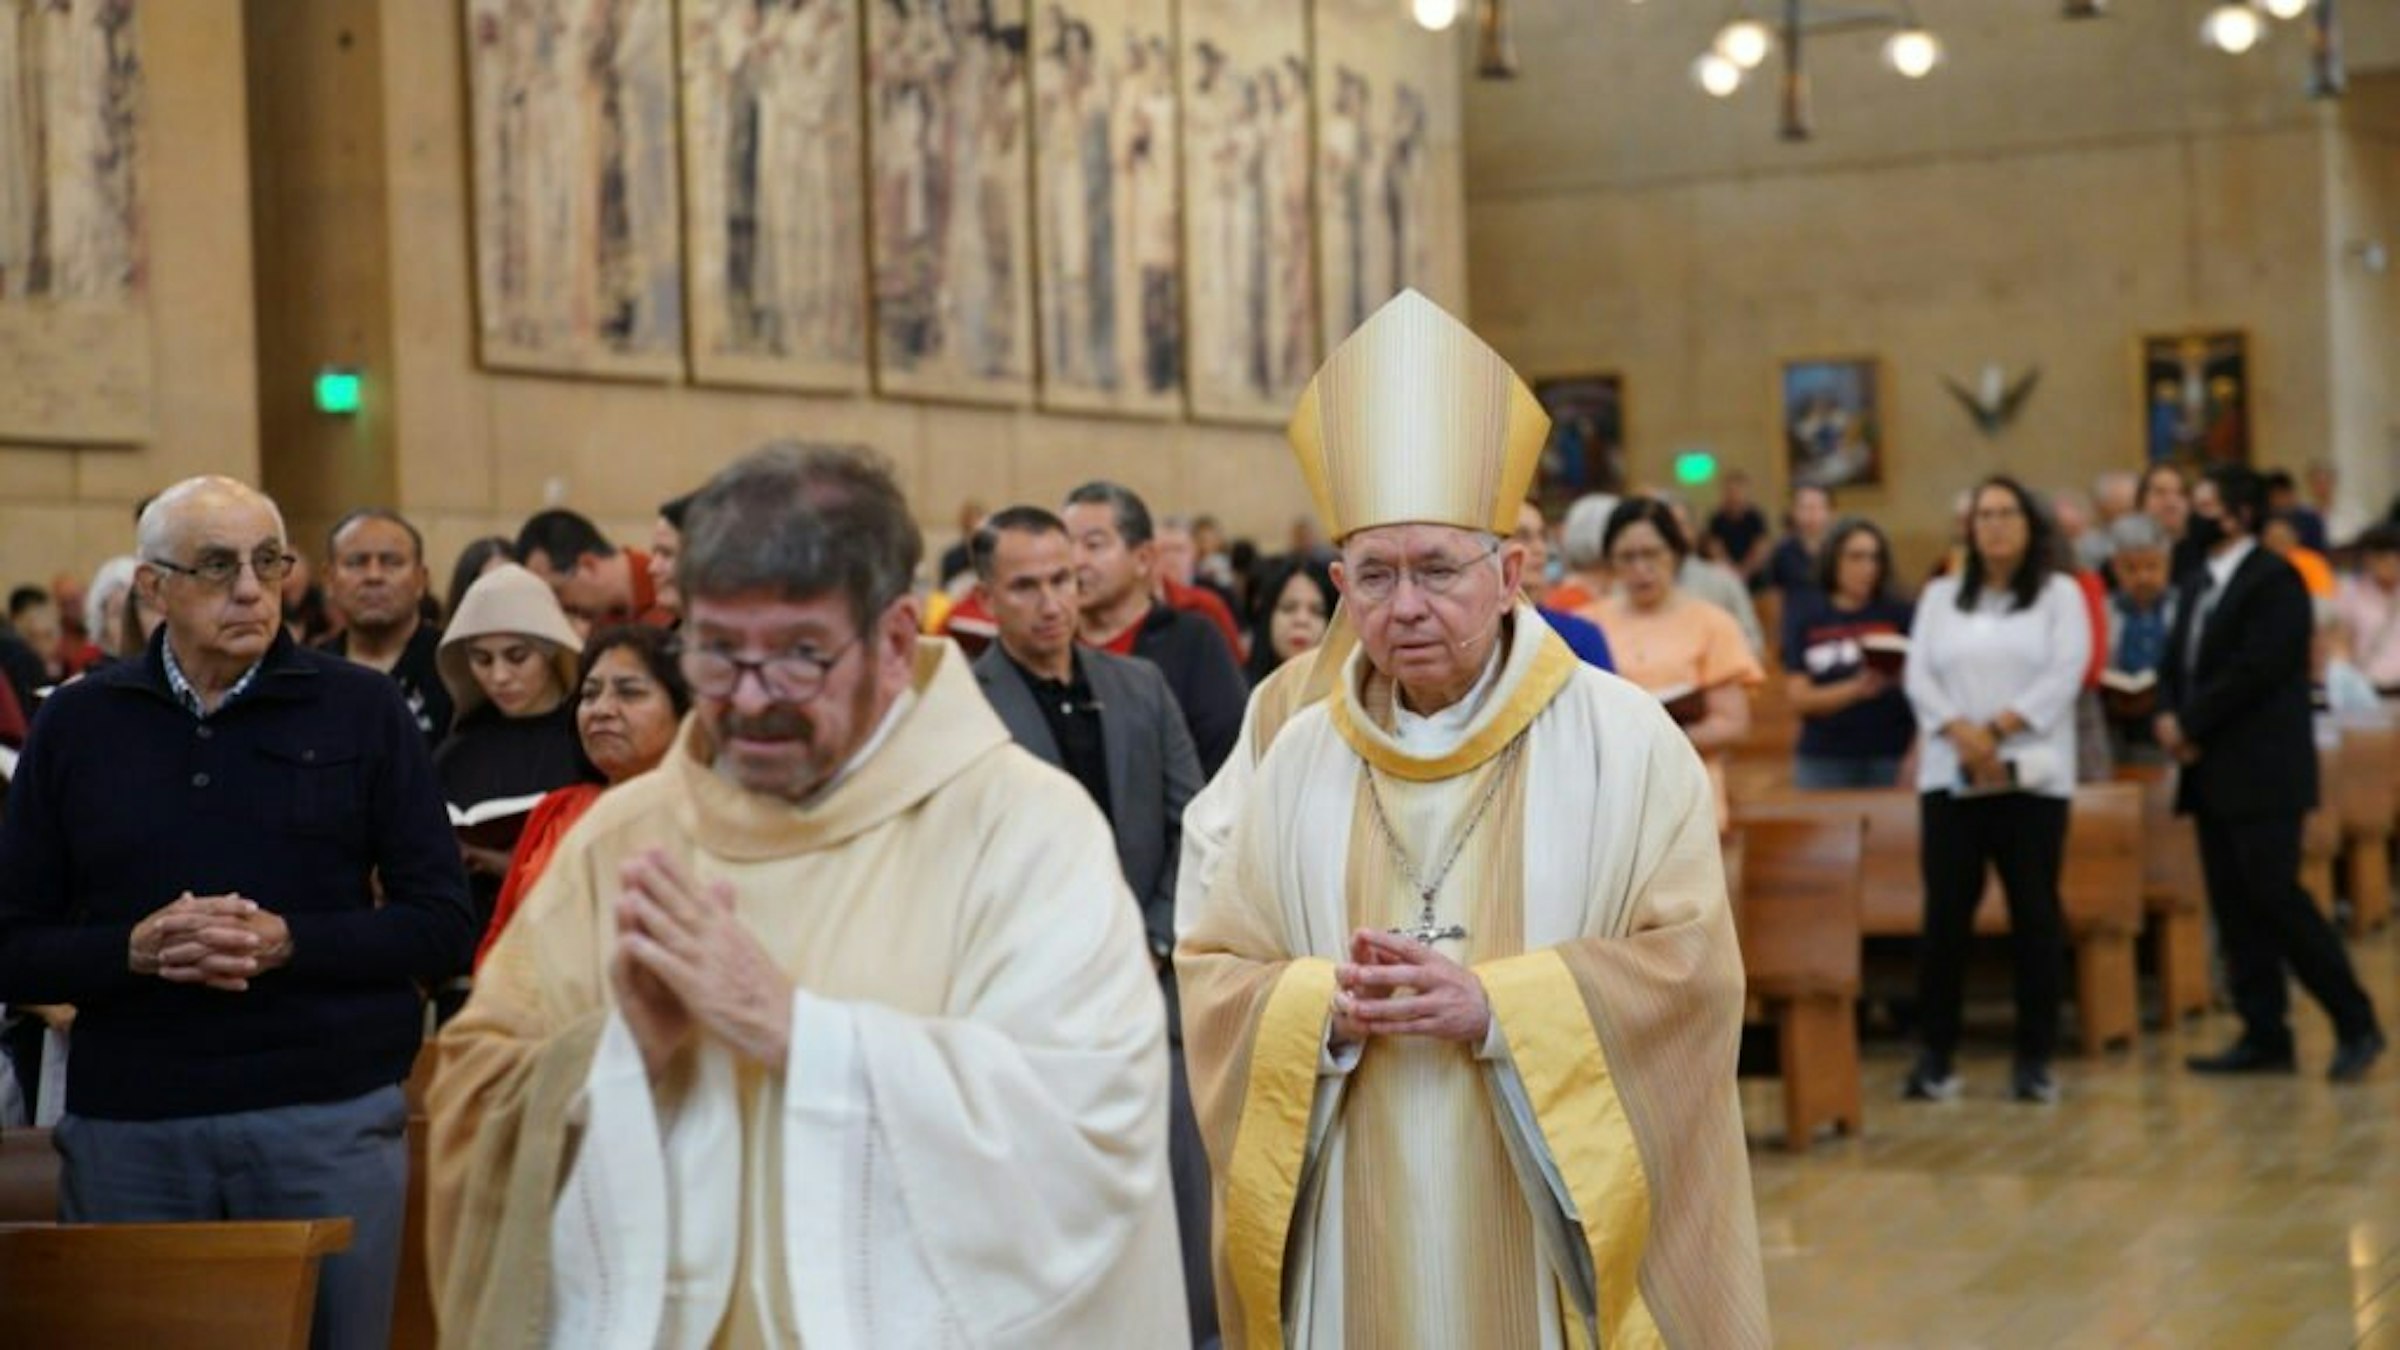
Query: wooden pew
x=2321, y=831
x=2365, y=794
x=2174, y=895
x=2100, y=889
x=28, y=1177
x=413, y=1324
x=1797, y=913
x=192, y=1286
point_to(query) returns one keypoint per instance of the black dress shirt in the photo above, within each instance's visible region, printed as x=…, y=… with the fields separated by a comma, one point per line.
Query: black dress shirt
x=1074, y=718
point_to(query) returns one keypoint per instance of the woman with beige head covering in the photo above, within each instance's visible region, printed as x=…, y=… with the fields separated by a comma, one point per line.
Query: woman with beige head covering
x=508, y=661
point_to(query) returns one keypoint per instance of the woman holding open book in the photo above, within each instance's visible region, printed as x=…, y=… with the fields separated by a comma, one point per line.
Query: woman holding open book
x=631, y=696
x=1688, y=652
x=1845, y=643
x=1996, y=664
x=508, y=661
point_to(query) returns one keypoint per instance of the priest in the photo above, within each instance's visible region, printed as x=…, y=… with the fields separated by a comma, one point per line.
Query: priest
x=1461, y=990
x=838, y=1029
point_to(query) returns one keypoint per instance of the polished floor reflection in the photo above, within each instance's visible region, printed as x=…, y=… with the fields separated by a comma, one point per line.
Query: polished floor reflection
x=2149, y=1208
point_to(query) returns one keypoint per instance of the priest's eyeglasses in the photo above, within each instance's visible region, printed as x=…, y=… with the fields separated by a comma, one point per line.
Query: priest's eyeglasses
x=790, y=677
x=1375, y=582
x=218, y=570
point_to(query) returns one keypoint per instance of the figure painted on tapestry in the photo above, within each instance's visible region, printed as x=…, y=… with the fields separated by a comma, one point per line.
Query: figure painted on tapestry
x=950, y=247
x=771, y=104
x=1348, y=147
x=577, y=247
x=1105, y=120
x=70, y=150
x=1247, y=162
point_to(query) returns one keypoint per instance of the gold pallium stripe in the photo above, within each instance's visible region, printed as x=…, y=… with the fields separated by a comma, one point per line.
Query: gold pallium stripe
x=1438, y=1246
x=1553, y=666
x=1263, y=1179
x=1574, y=1097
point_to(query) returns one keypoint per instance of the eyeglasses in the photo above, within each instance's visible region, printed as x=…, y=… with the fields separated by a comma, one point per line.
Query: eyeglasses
x=1375, y=582
x=792, y=677
x=218, y=570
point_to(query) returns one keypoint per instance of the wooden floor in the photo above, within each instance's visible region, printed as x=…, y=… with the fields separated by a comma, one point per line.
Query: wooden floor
x=2149, y=1208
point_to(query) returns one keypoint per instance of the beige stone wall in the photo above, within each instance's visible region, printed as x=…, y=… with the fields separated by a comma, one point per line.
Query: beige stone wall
x=2363, y=211
x=2054, y=193
x=68, y=509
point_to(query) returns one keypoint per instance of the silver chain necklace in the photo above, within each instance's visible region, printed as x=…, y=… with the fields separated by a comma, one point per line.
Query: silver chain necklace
x=1426, y=929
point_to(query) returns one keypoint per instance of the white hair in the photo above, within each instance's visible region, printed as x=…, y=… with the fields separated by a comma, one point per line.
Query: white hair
x=161, y=520
x=114, y=578
x=1584, y=536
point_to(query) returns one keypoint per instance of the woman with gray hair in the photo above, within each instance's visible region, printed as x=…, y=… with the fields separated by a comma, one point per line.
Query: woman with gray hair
x=115, y=617
x=1583, y=543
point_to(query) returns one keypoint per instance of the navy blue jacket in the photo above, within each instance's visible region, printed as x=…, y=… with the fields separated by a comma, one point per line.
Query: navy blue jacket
x=301, y=793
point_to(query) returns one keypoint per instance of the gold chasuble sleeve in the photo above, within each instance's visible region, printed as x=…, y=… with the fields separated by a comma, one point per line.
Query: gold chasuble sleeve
x=1626, y=1044
x=1254, y=1021
x=509, y=1069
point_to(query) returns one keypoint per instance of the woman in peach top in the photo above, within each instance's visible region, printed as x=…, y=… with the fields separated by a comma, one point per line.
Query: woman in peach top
x=1687, y=651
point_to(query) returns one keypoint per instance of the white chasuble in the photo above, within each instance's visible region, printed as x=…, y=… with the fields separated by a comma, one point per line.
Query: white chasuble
x=967, y=1146
x=1579, y=1177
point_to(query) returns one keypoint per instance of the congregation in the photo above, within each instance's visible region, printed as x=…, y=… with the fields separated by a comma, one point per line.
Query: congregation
x=432, y=774
x=2049, y=648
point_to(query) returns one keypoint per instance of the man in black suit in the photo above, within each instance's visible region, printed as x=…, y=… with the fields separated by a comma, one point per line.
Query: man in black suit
x=1111, y=723
x=2234, y=695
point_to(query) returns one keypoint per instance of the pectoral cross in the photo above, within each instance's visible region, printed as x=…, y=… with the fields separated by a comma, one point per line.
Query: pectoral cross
x=1426, y=930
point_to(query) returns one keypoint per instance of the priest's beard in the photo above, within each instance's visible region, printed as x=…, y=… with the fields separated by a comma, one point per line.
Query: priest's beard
x=802, y=753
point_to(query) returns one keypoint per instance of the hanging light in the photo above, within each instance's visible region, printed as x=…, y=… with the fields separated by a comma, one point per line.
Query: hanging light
x=1435, y=16
x=1744, y=42
x=2231, y=28
x=2285, y=9
x=1913, y=52
x=1717, y=75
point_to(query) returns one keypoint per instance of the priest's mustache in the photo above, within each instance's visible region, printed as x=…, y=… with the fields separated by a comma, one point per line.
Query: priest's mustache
x=776, y=724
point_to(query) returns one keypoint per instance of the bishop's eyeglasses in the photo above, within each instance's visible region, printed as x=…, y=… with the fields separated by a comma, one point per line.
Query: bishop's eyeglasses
x=1375, y=582
x=217, y=569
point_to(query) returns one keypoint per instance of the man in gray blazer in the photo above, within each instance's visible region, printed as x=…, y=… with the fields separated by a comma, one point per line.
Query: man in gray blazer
x=1112, y=724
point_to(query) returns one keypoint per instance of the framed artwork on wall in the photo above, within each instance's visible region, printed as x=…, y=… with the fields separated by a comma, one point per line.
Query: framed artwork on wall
x=1108, y=242
x=1250, y=286
x=578, y=252
x=2196, y=399
x=775, y=218
x=1832, y=422
x=1586, y=450
x=950, y=235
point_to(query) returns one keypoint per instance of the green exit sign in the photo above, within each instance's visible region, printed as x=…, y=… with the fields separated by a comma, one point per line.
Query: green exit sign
x=1695, y=468
x=337, y=391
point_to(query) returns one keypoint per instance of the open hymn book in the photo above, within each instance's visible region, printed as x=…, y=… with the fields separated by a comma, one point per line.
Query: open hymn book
x=1686, y=703
x=1885, y=653
x=2129, y=695
x=496, y=822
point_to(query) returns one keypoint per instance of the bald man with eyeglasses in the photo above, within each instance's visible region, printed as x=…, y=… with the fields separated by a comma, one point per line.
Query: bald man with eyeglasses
x=231, y=856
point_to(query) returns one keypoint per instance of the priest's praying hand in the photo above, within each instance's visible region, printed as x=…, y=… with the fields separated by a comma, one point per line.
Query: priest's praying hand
x=685, y=962
x=1395, y=985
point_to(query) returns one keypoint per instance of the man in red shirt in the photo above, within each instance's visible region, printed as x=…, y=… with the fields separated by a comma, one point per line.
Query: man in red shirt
x=1116, y=566
x=596, y=582
x=1178, y=560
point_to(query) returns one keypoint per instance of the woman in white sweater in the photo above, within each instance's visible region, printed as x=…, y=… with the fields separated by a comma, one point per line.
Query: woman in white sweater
x=1996, y=660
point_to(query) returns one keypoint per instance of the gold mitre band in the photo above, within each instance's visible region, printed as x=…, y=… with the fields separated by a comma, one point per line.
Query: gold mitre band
x=1415, y=419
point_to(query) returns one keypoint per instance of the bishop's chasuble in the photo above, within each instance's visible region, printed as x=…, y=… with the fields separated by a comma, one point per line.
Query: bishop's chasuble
x=1580, y=1178
x=968, y=1146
